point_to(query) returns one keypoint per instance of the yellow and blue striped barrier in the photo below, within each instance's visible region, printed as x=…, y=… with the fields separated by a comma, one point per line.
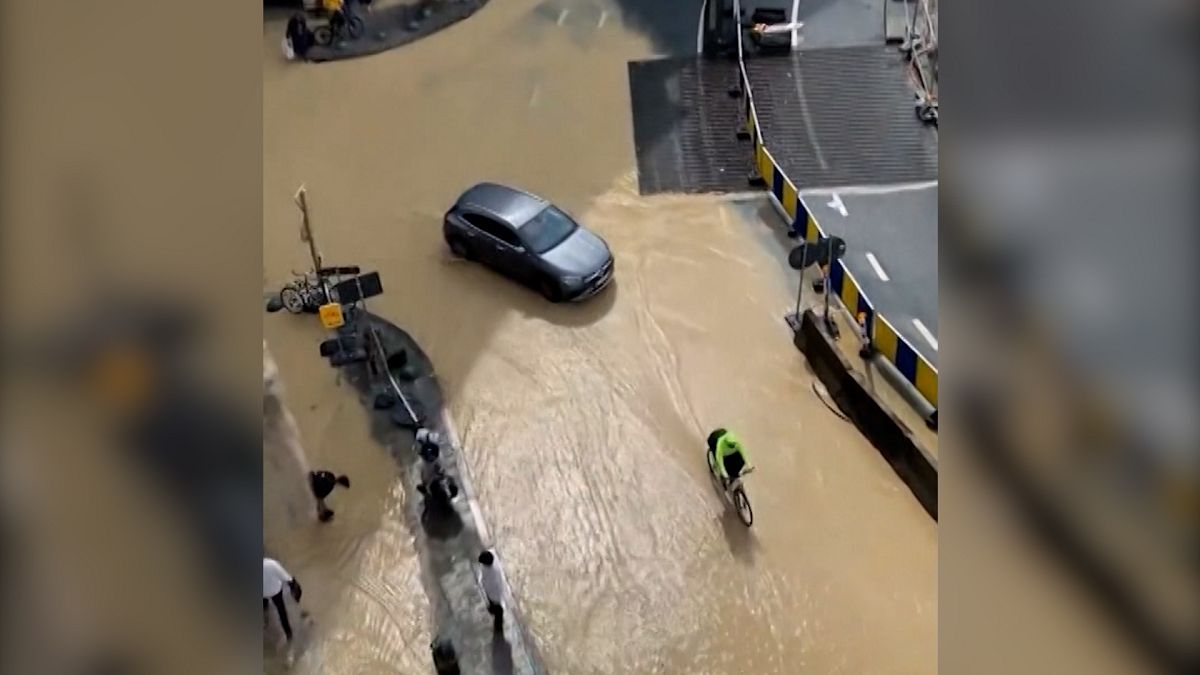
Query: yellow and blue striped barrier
x=781, y=187
x=882, y=335
x=785, y=193
x=845, y=287
x=914, y=367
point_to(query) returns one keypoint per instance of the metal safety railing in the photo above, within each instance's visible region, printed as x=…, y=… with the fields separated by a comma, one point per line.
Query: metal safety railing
x=379, y=358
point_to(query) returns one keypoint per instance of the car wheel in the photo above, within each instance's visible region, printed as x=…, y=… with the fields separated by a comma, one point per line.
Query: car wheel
x=551, y=290
x=459, y=247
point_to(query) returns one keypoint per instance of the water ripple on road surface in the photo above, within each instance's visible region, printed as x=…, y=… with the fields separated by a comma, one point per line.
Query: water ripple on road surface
x=591, y=467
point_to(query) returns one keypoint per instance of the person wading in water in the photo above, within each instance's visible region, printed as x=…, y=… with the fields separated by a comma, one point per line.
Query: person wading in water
x=322, y=483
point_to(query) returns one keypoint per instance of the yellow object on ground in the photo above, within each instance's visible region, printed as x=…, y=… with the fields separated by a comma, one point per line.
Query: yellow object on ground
x=331, y=315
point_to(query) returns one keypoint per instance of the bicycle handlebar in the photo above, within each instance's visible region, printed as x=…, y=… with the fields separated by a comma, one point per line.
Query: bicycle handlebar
x=348, y=269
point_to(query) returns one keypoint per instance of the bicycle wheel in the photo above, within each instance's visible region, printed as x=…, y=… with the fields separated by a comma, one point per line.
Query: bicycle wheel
x=355, y=27
x=742, y=503
x=292, y=299
x=323, y=35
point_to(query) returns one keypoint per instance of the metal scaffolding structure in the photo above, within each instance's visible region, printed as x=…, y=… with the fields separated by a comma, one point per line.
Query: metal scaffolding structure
x=921, y=46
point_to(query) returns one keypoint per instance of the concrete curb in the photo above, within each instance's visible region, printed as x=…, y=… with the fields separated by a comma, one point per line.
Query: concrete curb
x=396, y=26
x=469, y=495
x=911, y=462
x=447, y=550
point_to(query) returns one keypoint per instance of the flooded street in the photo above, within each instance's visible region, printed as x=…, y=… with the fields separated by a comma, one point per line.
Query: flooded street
x=584, y=425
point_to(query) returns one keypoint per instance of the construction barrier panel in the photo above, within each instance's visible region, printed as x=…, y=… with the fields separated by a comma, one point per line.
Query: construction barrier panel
x=853, y=397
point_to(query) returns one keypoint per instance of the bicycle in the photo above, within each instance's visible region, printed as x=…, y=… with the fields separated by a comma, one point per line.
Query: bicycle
x=304, y=294
x=343, y=25
x=307, y=291
x=733, y=491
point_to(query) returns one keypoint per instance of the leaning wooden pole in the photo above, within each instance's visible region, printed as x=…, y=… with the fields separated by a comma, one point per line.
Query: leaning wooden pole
x=306, y=232
x=308, y=237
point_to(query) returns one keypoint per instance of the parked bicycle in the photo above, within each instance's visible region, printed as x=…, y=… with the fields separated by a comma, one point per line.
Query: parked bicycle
x=306, y=292
x=343, y=25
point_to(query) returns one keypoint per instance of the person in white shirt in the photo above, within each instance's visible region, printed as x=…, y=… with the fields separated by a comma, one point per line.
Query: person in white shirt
x=275, y=577
x=493, y=586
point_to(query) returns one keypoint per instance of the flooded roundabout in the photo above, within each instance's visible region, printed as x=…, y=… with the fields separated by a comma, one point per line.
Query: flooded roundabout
x=583, y=425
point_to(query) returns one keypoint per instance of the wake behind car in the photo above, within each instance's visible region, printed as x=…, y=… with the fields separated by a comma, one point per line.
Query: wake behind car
x=529, y=240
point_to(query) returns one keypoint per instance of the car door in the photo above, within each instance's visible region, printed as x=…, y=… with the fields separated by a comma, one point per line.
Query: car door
x=498, y=245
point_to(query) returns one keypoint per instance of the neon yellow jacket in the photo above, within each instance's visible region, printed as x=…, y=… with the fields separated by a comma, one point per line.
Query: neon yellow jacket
x=727, y=445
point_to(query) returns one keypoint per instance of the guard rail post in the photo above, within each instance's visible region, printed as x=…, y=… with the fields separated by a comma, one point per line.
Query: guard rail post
x=867, y=350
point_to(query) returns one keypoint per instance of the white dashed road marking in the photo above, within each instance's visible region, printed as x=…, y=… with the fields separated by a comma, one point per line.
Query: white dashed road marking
x=926, y=334
x=562, y=16
x=877, y=267
x=603, y=18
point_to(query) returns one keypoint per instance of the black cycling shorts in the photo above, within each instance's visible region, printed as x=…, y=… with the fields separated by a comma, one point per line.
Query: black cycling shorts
x=734, y=465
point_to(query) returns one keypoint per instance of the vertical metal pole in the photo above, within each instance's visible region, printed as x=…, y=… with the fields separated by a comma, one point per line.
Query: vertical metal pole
x=362, y=301
x=800, y=291
x=799, y=295
x=795, y=18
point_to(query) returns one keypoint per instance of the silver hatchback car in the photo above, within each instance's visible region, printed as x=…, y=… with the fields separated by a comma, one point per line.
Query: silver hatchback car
x=530, y=240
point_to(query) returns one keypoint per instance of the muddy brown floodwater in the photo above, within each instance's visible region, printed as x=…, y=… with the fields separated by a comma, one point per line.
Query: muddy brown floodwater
x=584, y=425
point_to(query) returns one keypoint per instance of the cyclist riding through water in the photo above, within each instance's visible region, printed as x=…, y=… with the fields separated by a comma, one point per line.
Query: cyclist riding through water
x=727, y=456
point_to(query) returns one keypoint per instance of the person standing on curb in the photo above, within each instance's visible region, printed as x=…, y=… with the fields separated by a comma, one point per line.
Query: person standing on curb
x=493, y=586
x=429, y=444
x=439, y=488
x=297, y=39
x=322, y=483
x=275, y=577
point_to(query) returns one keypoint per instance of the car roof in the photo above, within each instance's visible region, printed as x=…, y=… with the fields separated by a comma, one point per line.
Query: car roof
x=516, y=207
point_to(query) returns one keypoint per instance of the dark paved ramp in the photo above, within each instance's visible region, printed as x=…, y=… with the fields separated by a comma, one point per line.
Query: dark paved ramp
x=842, y=116
x=685, y=126
x=390, y=27
x=446, y=538
x=899, y=227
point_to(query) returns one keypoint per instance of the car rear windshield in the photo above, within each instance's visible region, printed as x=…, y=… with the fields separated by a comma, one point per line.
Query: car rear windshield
x=547, y=230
